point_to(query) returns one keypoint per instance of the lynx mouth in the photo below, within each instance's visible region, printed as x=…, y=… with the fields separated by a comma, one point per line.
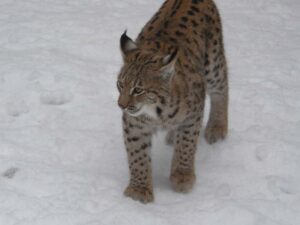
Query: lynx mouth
x=133, y=112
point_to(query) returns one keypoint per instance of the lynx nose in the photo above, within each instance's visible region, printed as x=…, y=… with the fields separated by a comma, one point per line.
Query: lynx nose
x=122, y=105
x=122, y=102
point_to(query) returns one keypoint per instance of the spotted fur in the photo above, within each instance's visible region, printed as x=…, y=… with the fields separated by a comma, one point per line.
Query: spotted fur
x=175, y=60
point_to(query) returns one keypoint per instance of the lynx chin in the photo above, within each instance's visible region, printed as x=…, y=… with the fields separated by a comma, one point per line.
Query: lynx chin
x=176, y=59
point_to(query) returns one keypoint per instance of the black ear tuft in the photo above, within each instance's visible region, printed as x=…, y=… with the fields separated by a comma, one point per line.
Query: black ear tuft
x=126, y=43
x=170, y=57
x=168, y=64
x=124, y=38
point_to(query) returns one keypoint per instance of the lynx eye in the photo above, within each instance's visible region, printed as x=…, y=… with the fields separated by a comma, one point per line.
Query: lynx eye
x=151, y=96
x=119, y=85
x=137, y=91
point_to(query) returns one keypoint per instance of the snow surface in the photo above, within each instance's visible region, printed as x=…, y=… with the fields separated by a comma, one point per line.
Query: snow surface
x=62, y=160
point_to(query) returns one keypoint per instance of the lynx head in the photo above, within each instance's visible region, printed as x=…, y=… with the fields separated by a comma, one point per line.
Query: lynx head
x=144, y=80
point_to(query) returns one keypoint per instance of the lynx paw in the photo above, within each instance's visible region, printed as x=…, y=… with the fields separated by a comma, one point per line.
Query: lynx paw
x=182, y=181
x=144, y=195
x=215, y=132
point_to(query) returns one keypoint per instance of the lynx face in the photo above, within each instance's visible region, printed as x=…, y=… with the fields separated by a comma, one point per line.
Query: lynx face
x=144, y=79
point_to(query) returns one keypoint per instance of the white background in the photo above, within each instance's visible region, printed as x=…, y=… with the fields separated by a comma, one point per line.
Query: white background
x=62, y=160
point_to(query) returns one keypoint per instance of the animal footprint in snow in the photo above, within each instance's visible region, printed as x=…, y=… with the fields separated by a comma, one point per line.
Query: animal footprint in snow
x=56, y=98
x=11, y=172
x=16, y=108
x=278, y=185
x=261, y=153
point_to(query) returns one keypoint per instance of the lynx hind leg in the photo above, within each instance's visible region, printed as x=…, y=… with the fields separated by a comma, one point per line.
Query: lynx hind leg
x=183, y=164
x=217, y=126
x=217, y=88
x=170, y=137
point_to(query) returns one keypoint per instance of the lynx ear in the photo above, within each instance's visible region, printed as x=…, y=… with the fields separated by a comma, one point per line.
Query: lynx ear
x=168, y=64
x=126, y=44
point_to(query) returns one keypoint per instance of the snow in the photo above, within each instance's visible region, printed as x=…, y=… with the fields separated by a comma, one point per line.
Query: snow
x=62, y=159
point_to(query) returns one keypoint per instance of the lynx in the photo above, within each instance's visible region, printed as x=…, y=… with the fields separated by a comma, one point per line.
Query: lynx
x=176, y=59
